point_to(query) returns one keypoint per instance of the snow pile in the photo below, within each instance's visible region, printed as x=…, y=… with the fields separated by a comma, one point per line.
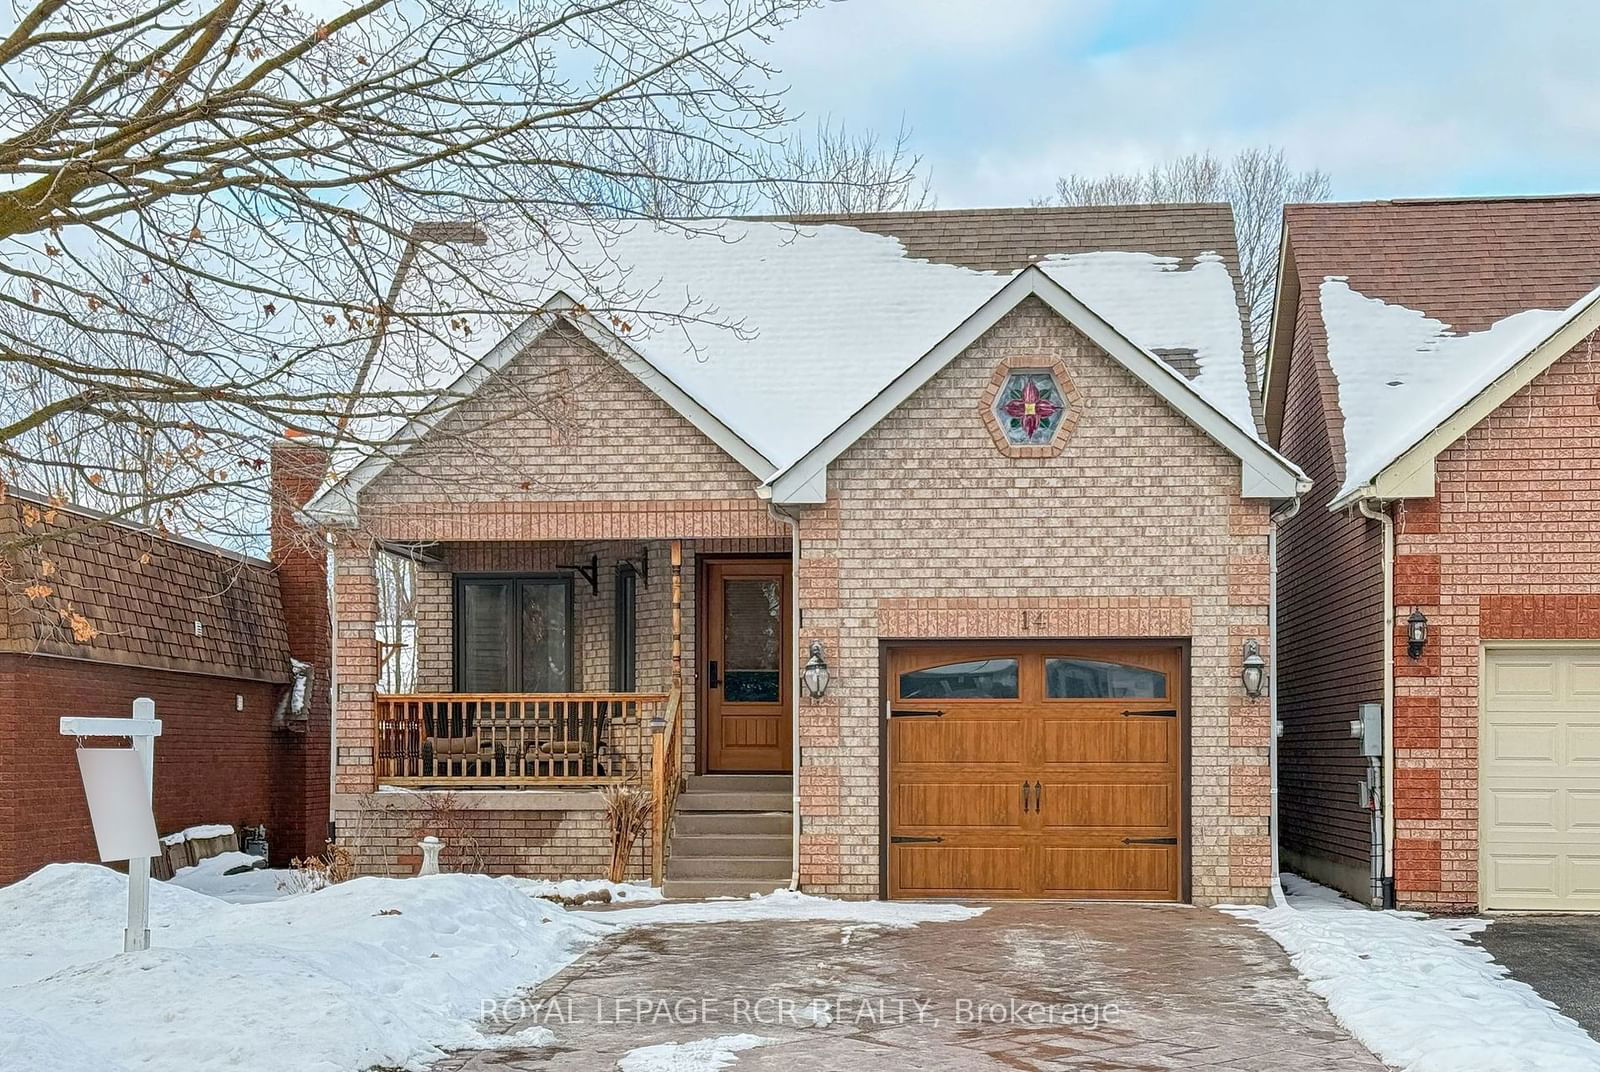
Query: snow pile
x=701, y=1055
x=790, y=905
x=1416, y=992
x=374, y=971
x=620, y=892
x=210, y=877
x=1401, y=373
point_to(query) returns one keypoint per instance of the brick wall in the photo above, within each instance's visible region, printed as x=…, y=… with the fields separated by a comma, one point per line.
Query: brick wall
x=1509, y=549
x=213, y=763
x=1330, y=637
x=382, y=830
x=1135, y=529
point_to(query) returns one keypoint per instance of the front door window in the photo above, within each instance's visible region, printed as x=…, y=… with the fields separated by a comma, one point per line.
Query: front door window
x=751, y=622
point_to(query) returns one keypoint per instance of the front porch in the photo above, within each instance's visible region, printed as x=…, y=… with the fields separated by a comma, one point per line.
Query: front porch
x=516, y=679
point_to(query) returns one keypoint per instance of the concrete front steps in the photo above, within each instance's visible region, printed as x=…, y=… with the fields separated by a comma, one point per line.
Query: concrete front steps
x=733, y=836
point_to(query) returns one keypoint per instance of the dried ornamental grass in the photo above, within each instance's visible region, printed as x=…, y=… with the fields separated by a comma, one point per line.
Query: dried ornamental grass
x=628, y=810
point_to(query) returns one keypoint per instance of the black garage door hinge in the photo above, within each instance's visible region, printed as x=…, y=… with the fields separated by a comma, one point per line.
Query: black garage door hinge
x=1166, y=712
x=915, y=714
x=914, y=840
x=1149, y=841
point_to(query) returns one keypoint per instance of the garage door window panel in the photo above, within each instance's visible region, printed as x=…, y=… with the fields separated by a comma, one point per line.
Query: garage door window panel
x=1094, y=679
x=972, y=679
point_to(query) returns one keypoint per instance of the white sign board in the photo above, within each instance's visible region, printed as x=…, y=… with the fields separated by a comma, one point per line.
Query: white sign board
x=119, y=803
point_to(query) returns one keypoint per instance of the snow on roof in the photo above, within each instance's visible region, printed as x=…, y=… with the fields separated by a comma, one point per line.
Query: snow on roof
x=1160, y=305
x=1401, y=373
x=783, y=331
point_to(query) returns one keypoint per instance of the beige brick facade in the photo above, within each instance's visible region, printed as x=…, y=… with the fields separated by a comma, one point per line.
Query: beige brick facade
x=1135, y=529
x=1509, y=549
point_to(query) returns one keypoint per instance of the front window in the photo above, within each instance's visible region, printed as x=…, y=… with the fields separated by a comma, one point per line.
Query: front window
x=513, y=634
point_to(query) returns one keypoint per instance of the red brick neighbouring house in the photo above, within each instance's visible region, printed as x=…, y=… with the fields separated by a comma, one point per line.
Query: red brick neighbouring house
x=202, y=632
x=1435, y=364
x=1000, y=471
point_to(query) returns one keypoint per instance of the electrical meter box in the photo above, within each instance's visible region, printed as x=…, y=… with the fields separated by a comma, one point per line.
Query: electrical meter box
x=1368, y=729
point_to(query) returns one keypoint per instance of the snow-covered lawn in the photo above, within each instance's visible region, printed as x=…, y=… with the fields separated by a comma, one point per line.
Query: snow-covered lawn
x=374, y=971
x=1416, y=991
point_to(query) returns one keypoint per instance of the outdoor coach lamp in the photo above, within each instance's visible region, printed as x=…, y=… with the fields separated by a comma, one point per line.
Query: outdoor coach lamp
x=815, y=676
x=1255, y=669
x=1416, y=633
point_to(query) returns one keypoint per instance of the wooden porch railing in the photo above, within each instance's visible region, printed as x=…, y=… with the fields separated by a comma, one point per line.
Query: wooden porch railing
x=514, y=739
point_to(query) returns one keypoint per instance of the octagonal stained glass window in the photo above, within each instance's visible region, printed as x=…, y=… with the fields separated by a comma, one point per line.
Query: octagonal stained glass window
x=1029, y=408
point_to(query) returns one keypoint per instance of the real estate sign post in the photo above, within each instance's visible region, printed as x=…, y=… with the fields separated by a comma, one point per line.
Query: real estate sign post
x=119, y=786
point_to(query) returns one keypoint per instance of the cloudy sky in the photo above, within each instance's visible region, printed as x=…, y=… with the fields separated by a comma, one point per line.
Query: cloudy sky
x=1398, y=98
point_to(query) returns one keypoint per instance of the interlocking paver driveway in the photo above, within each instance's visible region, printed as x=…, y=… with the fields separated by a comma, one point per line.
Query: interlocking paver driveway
x=1193, y=989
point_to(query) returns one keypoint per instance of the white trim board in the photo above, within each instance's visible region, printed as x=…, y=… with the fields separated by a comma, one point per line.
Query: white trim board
x=1264, y=473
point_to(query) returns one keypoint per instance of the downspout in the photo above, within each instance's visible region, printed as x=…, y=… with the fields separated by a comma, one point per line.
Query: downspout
x=333, y=683
x=1276, y=728
x=1385, y=881
x=793, y=524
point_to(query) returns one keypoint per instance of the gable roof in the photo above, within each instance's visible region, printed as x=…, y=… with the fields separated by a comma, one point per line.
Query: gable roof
x=769, y=335
x=1426, y=312
x=1264, y=472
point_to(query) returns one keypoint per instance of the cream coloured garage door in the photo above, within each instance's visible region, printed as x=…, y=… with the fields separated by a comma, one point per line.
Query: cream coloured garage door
x=1539, y=754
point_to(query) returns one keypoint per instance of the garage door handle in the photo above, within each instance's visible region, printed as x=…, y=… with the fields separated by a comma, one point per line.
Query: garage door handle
x=916, y=714
x=915, y=840
x=1024, y=798
x=1149, y=841
x=1162, y=713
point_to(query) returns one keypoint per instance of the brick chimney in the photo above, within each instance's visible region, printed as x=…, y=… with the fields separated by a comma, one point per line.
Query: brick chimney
x=301, y=744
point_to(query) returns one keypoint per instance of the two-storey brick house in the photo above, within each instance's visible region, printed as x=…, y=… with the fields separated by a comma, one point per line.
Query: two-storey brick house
x=1434, y=370
x=999, y=471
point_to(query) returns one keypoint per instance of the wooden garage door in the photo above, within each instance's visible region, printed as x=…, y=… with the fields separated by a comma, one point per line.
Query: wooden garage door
x=1035, y=771
x=1539, y=757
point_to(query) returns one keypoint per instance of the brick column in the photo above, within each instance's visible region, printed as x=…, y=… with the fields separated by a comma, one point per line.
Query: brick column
x=301, y=746
x=355, y=604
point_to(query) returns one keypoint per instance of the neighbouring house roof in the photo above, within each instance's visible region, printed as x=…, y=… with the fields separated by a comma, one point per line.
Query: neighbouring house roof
x=1428, y=315
x=771, y=335
x=135, y=596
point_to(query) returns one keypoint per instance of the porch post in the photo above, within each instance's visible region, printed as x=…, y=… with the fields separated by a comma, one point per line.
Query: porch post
x=677, y=614
x=666, y=735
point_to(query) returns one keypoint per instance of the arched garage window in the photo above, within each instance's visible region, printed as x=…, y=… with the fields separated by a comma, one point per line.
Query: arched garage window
x=1094, y=679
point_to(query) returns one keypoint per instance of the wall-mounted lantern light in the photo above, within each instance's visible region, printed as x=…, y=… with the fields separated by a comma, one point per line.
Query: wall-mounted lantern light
x=1254, y=672
x=1416, y=633
x=815, y=676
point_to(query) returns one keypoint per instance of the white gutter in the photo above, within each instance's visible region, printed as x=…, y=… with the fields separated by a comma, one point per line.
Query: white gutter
x=1276, y=727
x=793, y=523
x=1382, y=517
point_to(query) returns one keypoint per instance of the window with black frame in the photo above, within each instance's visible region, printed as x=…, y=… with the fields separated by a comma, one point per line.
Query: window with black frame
x=513, y=633
x=624, y=643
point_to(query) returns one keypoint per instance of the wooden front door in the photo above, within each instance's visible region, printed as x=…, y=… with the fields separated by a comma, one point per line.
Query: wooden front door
x=746, y=664
x=1034, y=770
